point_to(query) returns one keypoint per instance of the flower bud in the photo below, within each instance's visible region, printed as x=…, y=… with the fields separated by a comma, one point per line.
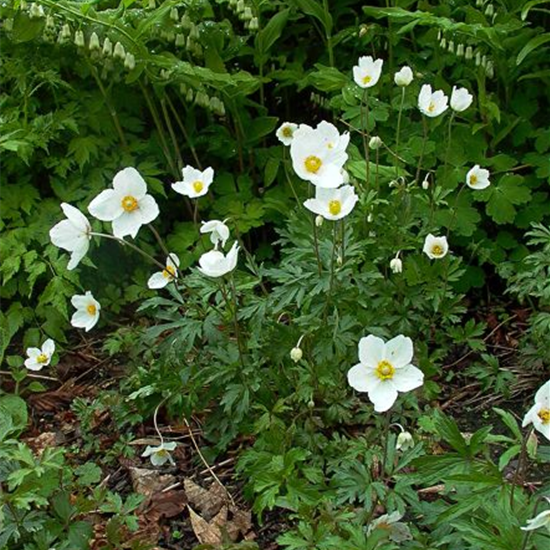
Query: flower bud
x=396, y=265
x=426, y=182
x=186, y=22
x=490, y=10
x=174, y=15
x=460, y=50
x=374, y=143
x=319, y=221
x=79, y=39
x=254, y=25
x=484, y=61
x=36, y=11
x=443, y=43
x=478, y=59
x=404, y=442
x=94, y=42
x=180, y=40
x=190, y=96
x=439, y=34
x=310, y=404
x=130, y=61
x=240, y=6
x=451, y=47
x=469, y=52
x=369, y=218
x=119, y=51
x=490, y=69
x=107, y=47
x=339, y=260
x=296, y=354
x=363, y=30
x=247, y=14
x=152, y=4
x=50, y=22
x=403, y=77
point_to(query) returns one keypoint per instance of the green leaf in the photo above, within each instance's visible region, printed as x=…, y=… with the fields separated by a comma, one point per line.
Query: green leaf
x=271, y=32
x=315, y=8
x=510, y=422
x=509, y=192
x=532, y=45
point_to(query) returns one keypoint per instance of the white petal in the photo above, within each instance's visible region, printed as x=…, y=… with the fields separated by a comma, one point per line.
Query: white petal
x=361, y=378
x=34, y=365
x=173, y=261
x=158, y=280
x=92, y=321
x=33, y=353
x=48, y=347
x=128, y=223
x=76, y=217
x=129, y=182
x=544, y=429
x=383, y=396
x=77, y=255
x=531, y=414
x=543, y=395
x=371, y=350
x=65, y=236
x=80, y=318
x=148, y=208
x=208, y=176
x=106, y=206
x=407, y=378
x=399, y=351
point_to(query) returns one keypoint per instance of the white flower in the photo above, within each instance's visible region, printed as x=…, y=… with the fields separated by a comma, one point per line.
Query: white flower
x=318, y=155
x=40, y=357
x=296, y=354
x=461, y=99
x=195, y=183
x=385, y=368
x=217, y=264
x=333, y=204
x=397, y=531
x=86, y=315
x=426, y=182
x=72, y=234
x=319, y=220
x=478, y=178
x=160, y=455
x=374, y=143
x=367, y=72
x=404, y=76
x=285, y=133
x=542, y=520
x=396, y=265
x=435, y=247
x=432, y=104
x=404, y=442
x=127, y=205
x=219, y=232
x=161, y=278
x=539, y=413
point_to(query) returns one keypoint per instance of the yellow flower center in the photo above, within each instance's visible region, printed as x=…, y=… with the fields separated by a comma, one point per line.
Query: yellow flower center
x=335, y=207
x=431, y=107
x=366, y=79
x=198, y=186
x=42, y=358
x=473, y=179
x=313, y=163
x=91, y=309
x=287, y=132
x=437, y=250
x=385, y=370
x=129, y=203
x=162, y=453
x=169, y=272
x=544, y=415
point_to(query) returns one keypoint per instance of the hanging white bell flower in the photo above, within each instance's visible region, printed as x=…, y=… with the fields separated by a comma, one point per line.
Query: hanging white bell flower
x=478, y=178
x=219, y=232
x=72, y=234
x=541, y=520
x=319, y=220
x=461, y=99
x=426, y=182
x=127, y=205
x=367, y=71
x=161, y=278
x=396, y=265
x=539, y=413
x=218, y=264
x=432, y=104
x=195, y=183
x=87, y=311
x=333, y=204
x=38, y=358
x=404, y=441
x=384, y=370
x=403, y=77
x=160, y=455
x=375, y=142
x=285, y=133
x=296, y=354
x=435, y=247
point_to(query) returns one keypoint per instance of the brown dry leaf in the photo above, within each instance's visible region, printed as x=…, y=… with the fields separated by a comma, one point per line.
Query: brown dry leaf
x=208, y=532
x=148, y=482
x=240, y=524
x=167, y=505
x=208, y=502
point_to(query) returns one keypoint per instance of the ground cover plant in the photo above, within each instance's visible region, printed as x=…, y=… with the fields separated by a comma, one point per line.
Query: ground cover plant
x=274, y=275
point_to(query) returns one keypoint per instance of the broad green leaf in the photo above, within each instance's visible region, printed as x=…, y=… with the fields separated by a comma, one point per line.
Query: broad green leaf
x=532, y=45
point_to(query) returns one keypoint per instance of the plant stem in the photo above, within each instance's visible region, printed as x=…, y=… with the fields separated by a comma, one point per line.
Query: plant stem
x=164, y=248
x=316, y=244
x=233, y=306
x=328, y=34
x=448, y=150
x=385, y=448
x=521, y=459
x=398, y=133
x=421, y=157
x=365, y=133
x=171, y=133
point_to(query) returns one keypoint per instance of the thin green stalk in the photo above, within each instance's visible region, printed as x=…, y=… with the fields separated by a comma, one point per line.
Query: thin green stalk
x=164, y=248
x=521, y=460
x=421, y=158
x=343, y=236
x=316, y=244
x=328, y=33
x=235, y=318
x=448, y=150
x=385, y=448
x=398, y=133
x=171, y=133
x=365, y=133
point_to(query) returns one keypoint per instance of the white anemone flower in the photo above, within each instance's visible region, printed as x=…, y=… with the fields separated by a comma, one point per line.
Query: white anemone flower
x=72, y=234
x=333, y=204
x=404, y=441
x=318, y=155
x=396, y=264
x=161, y=278
x=397, y=530
x=403, y=77
x=127, y=205
x=218, y=264
x=87, y=311
x=38, y=358
x=285, y=133
x=219, y=232
x=367, y=71
x=541, y=520
x=432, y=104
x=385, y=368
x=160, y=455
x=539, y=413
x=461, y=99
x=195, y=183
x=435, y=247
x=478, y=178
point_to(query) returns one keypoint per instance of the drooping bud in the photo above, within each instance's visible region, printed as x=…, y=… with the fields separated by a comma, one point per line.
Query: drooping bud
x=247, y=14
x=443, y=43
x=532, y=445
x=426, y=182
x=396, y=265
x=460, y=50
x=180, y=40
x=319, y=220
x=130, y=61
x=469, y=52
x=490, y=69
x=404, y=442
x=174, y=15
x=451, y=47
x=296, y=354
x=107, y=47
x=484, y=61
x=119, y=51
x=240, y=6
x=374, y=143
x=79, y=39
x=478, y=59
x=490, y=10
x=65, y=33
x=94, y=42
x=190, y=96
x=36, y=11
x=186, y=22
x=50, y=22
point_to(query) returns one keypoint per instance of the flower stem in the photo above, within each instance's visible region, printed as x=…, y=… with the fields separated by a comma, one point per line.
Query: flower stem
x=448, y=150
x=421, y=157
x=365, y=127
x=399, y=131
x=385, y=448
x=328, y=34
x=164, y=248
x=521, y=460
